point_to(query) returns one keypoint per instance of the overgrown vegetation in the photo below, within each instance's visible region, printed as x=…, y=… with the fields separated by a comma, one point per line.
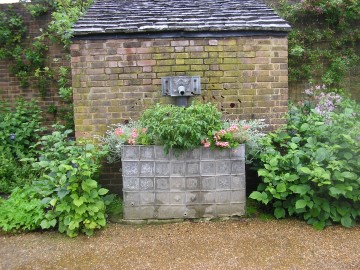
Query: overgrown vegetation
x=66, y=194
x=29, y=61
x=311, y=167
x=20, y=129
x=324, y=42
x=51, y=179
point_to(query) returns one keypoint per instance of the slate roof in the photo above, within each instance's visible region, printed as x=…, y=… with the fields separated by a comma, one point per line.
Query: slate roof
x=141, y=16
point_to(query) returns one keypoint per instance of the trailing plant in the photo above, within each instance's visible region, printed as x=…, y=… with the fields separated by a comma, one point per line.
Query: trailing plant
x=311, y=167
x=324, y=36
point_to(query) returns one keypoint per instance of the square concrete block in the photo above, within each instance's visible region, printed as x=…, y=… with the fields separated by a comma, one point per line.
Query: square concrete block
x=131, y=199
x=147, y=153
x=172, y=211
x=147, y=198
x=130, y=168
x=223, y=182
x=177, y=168
x=238, y=196
x=147, y=168
x=238, y=181
x=177, y=183
x=162, y=198
x=192, y=183
x=146, y=183
x=207, y=168
x=221, y=153
x=236, y=209
x=206, y=154
x=223, y=210
x=192, y=154
x=193, y=197
x=143, y=212
x=130, y=153
x=162, y=168
x=237, y=166
x=208, y=197
x=208, y=183
x=238, y=153
x=177, y=198
x=223, y=167
x=162, y=183
x=223, y=197
x=131, y=183
x=159, y=153
x=193, y=168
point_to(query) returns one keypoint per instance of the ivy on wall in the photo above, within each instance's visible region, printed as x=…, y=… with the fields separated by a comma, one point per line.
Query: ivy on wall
x=324, y=43
x=30, y=64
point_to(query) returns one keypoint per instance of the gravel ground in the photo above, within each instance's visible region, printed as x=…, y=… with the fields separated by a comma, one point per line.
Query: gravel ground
x=243, y=244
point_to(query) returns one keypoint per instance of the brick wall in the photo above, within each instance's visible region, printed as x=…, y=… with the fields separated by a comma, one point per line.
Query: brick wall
x=116, y=79
x=10, y=88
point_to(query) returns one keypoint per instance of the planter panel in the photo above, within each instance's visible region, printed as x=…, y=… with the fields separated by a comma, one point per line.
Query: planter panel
x=201, y=183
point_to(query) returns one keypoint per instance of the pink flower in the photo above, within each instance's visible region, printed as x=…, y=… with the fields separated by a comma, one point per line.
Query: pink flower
x=134, y=134
x=118, y=131
x=131, y=141
x=207, y=144
x=233, y=128
x=246, y=127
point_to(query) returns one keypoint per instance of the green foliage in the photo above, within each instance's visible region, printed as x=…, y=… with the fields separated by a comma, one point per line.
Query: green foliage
x=20, y=127
x=66, y=13
x=28, y=63
x=67, y=183
x=322, y=44
x=66, y=194
x=311, y=167
x=180, y=128
x=14, y=173
x=23, y=210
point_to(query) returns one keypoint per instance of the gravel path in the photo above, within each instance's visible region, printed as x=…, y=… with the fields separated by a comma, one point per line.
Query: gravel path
x=244, y=244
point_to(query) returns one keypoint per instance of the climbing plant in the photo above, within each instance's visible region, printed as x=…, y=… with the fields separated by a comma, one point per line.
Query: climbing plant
x=30, y=63
x=324, y=42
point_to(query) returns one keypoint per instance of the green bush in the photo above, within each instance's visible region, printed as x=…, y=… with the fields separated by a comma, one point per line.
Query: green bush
x=66, y=191
x=20, y=127
x=178, y=127
x=311, y=167
x=23, y=210
x=14, y=173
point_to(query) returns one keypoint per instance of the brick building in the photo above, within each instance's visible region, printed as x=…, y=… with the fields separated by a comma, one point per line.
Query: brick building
x=122, y=49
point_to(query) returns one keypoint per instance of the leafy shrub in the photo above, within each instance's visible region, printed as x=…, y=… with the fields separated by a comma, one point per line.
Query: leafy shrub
x=14, y=173
x=324, y=37
x=20, y=127
x=180, y=128
x=66, y=190
x=23, y=210
x=311, y=167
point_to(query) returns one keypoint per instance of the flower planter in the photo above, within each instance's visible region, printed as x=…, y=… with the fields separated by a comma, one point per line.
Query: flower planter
x=201, y=183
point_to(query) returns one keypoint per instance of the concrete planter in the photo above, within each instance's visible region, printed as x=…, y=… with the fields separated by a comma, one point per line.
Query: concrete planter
x=201, y=183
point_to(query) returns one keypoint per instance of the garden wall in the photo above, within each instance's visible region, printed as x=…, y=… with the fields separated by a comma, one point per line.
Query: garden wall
x=10, y=88
x=114, y=80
